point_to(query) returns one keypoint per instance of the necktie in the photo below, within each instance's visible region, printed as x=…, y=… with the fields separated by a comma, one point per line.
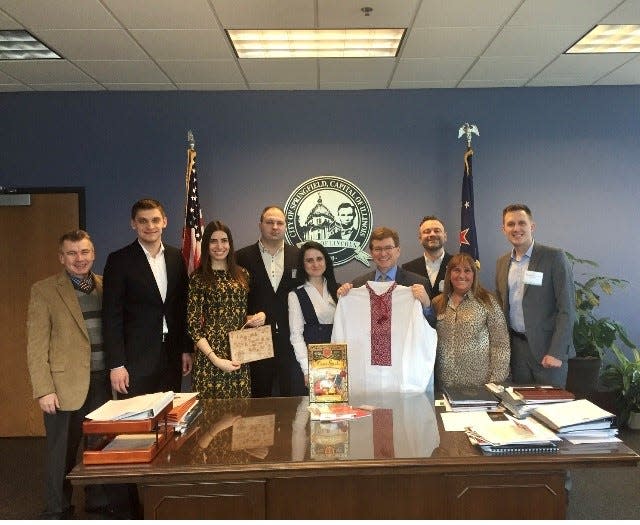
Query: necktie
x=382, y=277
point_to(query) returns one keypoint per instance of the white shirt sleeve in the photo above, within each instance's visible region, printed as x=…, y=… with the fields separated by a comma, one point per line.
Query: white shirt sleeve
x=296, y=330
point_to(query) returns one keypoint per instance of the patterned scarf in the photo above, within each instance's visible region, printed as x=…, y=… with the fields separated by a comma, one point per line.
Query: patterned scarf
x=381, y=326
x=85, y=285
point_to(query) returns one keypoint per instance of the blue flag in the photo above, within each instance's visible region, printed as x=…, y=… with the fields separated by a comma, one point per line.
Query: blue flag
x=468, y=233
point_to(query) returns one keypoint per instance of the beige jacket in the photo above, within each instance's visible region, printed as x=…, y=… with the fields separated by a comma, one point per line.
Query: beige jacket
x=58, y=347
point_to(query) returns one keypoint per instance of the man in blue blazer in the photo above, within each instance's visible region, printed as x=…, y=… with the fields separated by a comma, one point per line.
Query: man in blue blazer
x=144, y=309
x=385, y=250
x=534, y=286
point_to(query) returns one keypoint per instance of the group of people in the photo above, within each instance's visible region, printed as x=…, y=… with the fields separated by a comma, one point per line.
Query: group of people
x=146, y=323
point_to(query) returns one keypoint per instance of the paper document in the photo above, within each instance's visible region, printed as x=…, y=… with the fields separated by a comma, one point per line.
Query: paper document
x=458, y=421
x=134, y=408
x=131, y=442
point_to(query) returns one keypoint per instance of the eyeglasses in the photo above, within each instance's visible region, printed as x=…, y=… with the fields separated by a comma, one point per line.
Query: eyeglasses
x=380, y=249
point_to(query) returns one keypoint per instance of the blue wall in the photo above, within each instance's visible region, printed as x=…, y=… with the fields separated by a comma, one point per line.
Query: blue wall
x=570, y=153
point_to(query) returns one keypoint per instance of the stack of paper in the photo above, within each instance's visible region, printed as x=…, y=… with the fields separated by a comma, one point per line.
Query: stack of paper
x=469, y=398
x=135, y=408
x=522, y=400
x=513, y=437
x=186, y=408
x=578, y=419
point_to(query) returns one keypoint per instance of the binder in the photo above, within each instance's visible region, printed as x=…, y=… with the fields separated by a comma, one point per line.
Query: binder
x=508, y=450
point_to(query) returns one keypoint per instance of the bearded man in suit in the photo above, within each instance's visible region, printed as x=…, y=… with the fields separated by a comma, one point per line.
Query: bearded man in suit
x=67, y=366
x=433, y=264
x=272, y=266
x=534, y=286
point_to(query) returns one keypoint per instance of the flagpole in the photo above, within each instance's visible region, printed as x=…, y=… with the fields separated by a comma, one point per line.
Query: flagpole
x=468, y=234
x=191, y=158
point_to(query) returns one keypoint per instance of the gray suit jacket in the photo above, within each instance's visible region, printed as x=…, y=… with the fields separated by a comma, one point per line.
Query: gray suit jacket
x=403, y=277
x=549, y=310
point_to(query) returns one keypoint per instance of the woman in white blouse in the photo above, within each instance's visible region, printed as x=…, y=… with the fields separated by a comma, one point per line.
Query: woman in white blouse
x=312, y=304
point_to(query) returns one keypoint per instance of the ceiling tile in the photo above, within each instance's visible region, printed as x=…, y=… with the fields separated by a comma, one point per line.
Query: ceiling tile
x=6, y=88
x=123, y=71
x=203, y=71
x=348, y=13
x=425, y=84
x=184, y=44
x=213, y=87
x=503, y=68
x=559, y=81
x=6, y=79
x=60, y=14
x=140, y=87
x=628, y=73
x=351, y=86
x=282, y=70
x=7, y=22
x=561, y=13
x=356, y=70
x=447, y=42
x=163, y=14
x=431, y=69
x=533, y=41
x=464, y=13
x=93, y=44
x=627, y=13
x=265, y=14
x=508, y=82
x=582, y=66
x=284, y=86
x=70, y=87
x=45, y=72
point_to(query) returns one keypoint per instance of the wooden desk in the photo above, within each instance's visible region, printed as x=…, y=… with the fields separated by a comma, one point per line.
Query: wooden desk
x=398, y=463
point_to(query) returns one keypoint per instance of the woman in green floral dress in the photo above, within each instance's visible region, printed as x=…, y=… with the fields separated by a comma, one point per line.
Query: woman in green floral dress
x=217, y=305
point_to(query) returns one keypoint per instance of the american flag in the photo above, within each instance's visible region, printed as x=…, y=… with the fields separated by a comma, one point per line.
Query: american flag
x=193, y=223
x=468, y=234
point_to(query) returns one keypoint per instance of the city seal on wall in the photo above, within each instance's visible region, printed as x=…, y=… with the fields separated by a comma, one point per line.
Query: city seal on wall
x=333, y=212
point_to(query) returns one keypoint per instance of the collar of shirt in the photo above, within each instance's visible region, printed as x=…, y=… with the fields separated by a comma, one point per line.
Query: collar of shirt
x=527, y=254
x=77, y=280
x=391, y=274
x=148, y=253
x=263, y=250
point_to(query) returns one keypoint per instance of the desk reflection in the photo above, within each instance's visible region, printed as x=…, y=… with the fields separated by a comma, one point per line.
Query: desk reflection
x=242, y=431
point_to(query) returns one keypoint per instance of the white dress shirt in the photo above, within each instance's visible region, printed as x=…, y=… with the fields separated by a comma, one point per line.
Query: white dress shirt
x=159, y=268
x=274, y=264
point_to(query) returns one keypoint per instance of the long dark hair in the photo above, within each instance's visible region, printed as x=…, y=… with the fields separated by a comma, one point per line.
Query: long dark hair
x=328, y=274
x=205, y=262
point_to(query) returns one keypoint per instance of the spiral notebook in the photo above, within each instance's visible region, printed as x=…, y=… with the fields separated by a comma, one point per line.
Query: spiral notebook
x=506, y=450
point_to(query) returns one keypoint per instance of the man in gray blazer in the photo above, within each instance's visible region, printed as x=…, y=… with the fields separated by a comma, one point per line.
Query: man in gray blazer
x=385, y=250
x=534, y=285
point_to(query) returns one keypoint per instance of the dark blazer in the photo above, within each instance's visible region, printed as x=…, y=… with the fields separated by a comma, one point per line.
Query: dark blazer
x=403, y=277
x=549, y=310
x=262, y=298
x=418, y=266
x=132, y=311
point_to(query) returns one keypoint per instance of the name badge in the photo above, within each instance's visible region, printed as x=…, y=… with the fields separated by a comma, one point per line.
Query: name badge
x=294, y=271
x=533, y=278
x=441, y=286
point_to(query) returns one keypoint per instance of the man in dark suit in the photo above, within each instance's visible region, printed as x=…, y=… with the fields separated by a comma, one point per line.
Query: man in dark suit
x=144, y=309
x=534, y=286
x=67, y=366
x=385, y=250
x=433, y=264
x=272, y=267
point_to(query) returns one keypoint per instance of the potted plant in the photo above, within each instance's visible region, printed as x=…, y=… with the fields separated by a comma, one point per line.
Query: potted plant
x=593, y=335
x=623, y=377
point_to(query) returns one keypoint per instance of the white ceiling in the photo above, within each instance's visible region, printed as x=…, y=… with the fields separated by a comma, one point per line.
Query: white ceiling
x=140, y=45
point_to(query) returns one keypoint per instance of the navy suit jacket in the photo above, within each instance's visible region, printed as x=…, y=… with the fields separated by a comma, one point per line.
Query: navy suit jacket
x=132, y=310
x=549, y=310
x=418, y=266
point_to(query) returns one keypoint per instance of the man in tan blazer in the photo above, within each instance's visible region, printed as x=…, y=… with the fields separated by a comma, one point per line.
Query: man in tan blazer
x=67, y=365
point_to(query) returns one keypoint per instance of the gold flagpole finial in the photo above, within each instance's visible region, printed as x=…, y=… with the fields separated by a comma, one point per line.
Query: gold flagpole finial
x=190, y=140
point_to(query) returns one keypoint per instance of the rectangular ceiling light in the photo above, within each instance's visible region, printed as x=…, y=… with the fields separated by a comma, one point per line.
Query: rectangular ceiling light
x=20, y=45
x=315, y=43
x=609, y=39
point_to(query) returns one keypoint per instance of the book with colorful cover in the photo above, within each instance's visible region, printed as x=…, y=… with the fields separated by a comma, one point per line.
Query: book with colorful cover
x=328, y=373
